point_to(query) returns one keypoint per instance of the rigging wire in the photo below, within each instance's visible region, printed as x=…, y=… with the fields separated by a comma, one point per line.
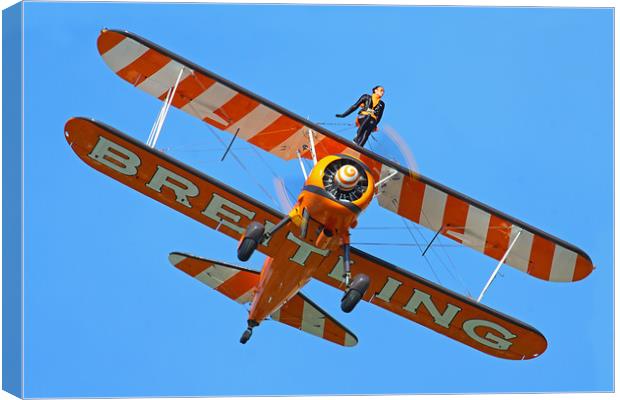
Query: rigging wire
x=452, y=271
x=453, y=263
x=415, y=241
x=194, y=148
x=238, y=161
x=371, y=228
x=273, y=173
x=420, y=247
x=335, y=123
x=398, y=244
x=403, y=228
x=244, y=167
x=343, y=130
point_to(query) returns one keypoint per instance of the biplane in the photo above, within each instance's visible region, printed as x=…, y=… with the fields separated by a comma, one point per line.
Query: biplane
x=312, y=240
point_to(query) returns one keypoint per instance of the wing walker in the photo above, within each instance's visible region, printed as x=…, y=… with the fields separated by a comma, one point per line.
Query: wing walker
x=313, y=239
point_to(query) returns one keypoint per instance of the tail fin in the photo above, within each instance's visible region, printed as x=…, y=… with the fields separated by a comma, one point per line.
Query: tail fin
x=239, y=284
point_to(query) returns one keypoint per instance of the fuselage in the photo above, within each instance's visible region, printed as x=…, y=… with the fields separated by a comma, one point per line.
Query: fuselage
x=338, y=189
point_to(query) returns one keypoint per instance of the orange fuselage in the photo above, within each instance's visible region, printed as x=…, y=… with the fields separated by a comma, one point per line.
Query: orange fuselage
x=329, y=205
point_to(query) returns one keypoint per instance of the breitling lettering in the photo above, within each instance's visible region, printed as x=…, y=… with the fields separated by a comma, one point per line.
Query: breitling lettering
x=229, y=214
x=490, y=339
x=215, y=210
x=304, y=250
x=418, y=298
x=487, y=333
x=388, y=289
x=268, y=226
x=126, y=162
x=338, y=271
x=182, y=187
x=115, y=156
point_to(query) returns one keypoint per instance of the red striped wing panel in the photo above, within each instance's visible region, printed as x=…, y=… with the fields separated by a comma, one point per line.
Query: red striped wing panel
x=209, y=97
x=437, y=308
x=303, y=314
x=236, y=283
x=482, y=228
x=239, y=284
x=219, y=102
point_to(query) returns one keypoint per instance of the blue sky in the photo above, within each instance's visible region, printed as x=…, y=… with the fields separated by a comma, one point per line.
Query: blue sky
x=511, y=106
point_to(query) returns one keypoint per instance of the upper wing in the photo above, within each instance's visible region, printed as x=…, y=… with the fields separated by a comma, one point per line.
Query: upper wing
x=232, y=108
x=215, y=100
x=482, y=228
x=438, y=308
x=238, y=284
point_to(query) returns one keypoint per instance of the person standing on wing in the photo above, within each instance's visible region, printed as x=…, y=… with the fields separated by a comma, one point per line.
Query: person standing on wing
x=371, y=111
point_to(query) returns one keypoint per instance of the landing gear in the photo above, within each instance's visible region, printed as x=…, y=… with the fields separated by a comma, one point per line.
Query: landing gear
x=355, y=292
x=247, y=334
x=249, y=242
x=347, y=264
x=254, y=235
x=356, y=288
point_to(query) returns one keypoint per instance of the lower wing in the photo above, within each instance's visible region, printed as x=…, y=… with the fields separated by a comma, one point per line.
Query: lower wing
x=438, y=308
x=167, y=180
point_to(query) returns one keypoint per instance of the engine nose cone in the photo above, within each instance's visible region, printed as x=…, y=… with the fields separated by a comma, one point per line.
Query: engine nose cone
x=347, y=177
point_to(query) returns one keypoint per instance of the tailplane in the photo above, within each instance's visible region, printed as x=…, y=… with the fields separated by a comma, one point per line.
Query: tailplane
x=239, y=284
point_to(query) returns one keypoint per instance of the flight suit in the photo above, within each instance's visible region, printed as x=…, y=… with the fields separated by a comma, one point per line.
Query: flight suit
x=368, y=117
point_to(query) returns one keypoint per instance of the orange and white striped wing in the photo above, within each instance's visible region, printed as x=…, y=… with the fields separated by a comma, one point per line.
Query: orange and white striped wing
x=482, y=228
x=301, y=313
x=219, y=102
x=239, y=284
x=444, y=311
x=167, y=180
x=204, y=94
x=236, y=283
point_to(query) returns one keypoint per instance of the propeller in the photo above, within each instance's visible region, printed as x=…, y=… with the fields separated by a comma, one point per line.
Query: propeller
x=282, y=195
x=392, y=145
x=345, y=180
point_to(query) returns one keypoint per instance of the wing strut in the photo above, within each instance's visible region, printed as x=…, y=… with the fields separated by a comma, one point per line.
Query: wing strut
x=312, y=149
x=301, y=163
x=394, y=172
x=156, y=129
x=428, y=246
x=498, y=266
x=230, y=144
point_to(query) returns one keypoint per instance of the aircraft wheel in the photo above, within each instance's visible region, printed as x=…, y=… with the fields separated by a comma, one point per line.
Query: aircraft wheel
x=246, y=336
x=250, y=240
x=354, y=294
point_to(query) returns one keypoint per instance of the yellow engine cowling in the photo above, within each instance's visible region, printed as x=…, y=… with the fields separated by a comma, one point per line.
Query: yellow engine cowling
x=337, y=190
